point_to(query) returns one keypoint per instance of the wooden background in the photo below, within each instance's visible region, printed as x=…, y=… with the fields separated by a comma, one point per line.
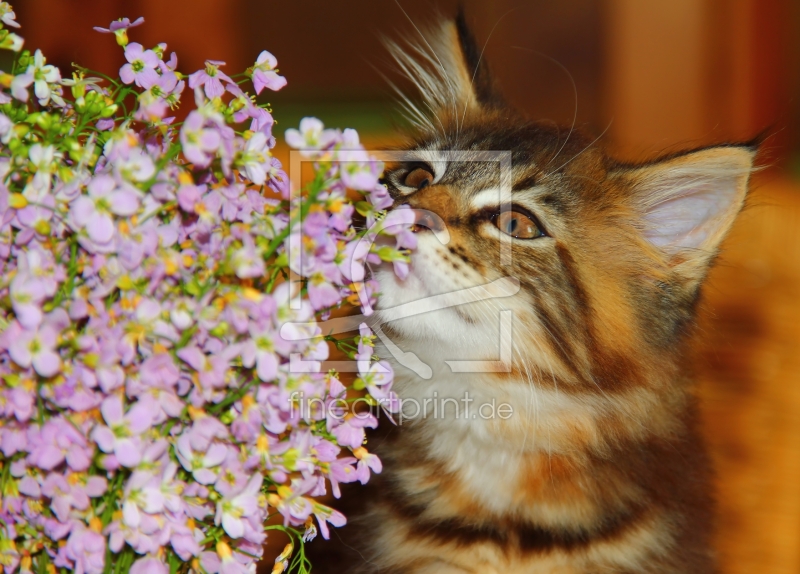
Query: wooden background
x=657, y=75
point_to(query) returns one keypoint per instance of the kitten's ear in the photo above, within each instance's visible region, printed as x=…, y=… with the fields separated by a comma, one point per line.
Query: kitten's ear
x=687, y=204
x=448, y=69
x=482, y=84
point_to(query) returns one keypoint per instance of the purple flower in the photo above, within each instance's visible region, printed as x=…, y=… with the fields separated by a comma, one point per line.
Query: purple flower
x=44, y=76
x=354, y=259
x=211, y=370
x=94, y=213
x=165, y=92
x=160, y=371
x=341, y=471
x=87, y=549
x=151, y=110
x=148, y=494
x=121, y=24
x=255, y=158
x=322, y=291
x=311, y=137
x=398, y=223
x=141, y=66
x=231, y=510
x=199, y=142
x=247, y=426
x=351, y=432
x=105, y=124
x=198, y=462
x=18, y=402
x=357, y=169
x=379, y=197
x=295, y=507
x=278, y=179
x=265, y=74
x=29, y=486
x=249, y=260
x=37, y=215
x=9, y=557
x=366, y=462
x=55, y=442
x=326, y=514
x=122, y=435
x=377, y=377
x=27, y=295
x=107, y=368
x=209, y=79
x=72, y=491
x=8, y=17
x=137, y=282
x=232, y=477
x=182, y=540
x=19, y=86
x=40, y=264
x=260, y=350
x=35, y=348
x=149, y=565
x=234, y=201
x=223, y=561
x=262, y=120
x=13, y=439
x=133, y=163
x=189, y=195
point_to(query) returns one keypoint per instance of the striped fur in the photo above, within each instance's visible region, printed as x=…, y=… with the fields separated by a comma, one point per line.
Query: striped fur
x=601, y=467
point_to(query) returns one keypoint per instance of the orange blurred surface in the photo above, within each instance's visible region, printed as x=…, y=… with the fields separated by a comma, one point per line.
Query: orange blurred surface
x=748, y=362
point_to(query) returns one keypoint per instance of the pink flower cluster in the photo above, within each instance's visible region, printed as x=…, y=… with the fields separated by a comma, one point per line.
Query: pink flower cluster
x=148, y=267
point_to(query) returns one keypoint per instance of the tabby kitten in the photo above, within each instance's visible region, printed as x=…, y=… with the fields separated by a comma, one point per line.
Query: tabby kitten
x=601, y=467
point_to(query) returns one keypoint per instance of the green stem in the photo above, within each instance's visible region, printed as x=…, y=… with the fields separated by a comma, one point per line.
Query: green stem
x=232, y=398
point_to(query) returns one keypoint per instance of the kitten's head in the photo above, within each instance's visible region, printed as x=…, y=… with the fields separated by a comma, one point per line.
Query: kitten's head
x=609, y=257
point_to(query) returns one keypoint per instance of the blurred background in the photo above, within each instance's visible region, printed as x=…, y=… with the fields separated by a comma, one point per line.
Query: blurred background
x=651, y=76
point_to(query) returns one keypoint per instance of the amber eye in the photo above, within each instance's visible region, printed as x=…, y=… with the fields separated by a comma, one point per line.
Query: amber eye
x=517, y=225
x=418, y=178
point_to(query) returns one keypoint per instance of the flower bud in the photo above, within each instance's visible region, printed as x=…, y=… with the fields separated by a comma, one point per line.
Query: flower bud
x=220, y=330
x=110, y=109
x=25, y=59
x=11, y=41
x=17, y=201
x=122, y=37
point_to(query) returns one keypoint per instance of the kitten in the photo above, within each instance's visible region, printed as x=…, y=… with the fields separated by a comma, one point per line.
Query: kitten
x=600, y=467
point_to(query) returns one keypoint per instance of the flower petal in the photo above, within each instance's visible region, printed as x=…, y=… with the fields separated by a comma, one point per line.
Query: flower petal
x=101, y=228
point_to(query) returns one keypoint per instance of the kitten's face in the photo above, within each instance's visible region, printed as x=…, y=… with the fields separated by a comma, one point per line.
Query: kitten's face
x=472, y=222
x=608, y=257
x=548, y=207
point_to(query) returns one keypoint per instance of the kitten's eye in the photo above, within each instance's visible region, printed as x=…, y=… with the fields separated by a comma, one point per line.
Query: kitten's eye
x=517, y=225
x=419, y=178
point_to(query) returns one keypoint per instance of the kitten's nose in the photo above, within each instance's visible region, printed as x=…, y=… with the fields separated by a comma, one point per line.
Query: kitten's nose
x=427, y=220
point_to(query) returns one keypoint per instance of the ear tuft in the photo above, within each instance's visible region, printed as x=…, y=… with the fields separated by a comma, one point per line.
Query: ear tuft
x=447, y=69
x=483, y=85
x=688, y=203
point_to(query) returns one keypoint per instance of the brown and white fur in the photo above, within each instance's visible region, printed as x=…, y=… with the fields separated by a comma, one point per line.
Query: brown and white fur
x=601, y=467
